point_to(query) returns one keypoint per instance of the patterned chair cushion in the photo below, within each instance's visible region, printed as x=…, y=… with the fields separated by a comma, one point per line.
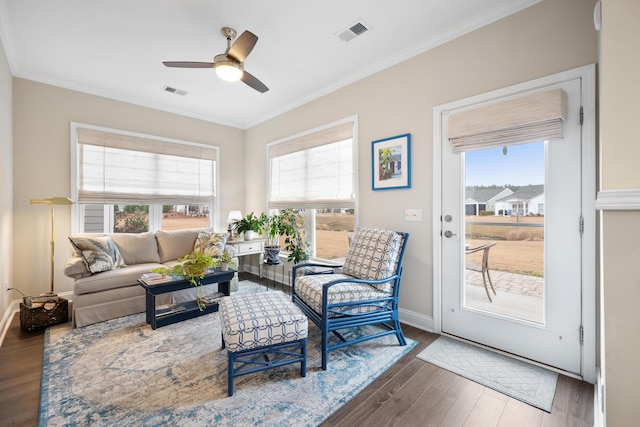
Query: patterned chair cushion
x=373, y=255
x=98, y=253
x=259, y=320
x=309, y=289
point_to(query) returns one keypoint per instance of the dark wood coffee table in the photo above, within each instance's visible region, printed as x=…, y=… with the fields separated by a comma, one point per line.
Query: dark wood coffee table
x=185, y=310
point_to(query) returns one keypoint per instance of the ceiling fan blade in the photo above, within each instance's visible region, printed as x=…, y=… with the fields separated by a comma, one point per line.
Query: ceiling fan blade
x=183, y=64
x=252, y=81
x=243, y=46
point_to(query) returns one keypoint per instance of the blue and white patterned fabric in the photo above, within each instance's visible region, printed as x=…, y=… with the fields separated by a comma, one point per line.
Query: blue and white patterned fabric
x=259, y=320
x=309, y=289
x=373, y=255
x=98, y=253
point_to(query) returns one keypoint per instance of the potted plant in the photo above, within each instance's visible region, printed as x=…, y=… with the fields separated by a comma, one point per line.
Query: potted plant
x=192, y=267
x=295, y=241
x=226, y=261
x=249, y=225
x=274, y=227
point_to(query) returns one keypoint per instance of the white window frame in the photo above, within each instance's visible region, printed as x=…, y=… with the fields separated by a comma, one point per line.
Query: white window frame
x=309, y=219
x=155, y=210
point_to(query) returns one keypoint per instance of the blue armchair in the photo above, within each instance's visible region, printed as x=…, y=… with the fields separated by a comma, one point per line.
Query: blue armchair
x=365, y=292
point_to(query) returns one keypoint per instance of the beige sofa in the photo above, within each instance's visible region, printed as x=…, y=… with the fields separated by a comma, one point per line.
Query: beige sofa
x=115, y=292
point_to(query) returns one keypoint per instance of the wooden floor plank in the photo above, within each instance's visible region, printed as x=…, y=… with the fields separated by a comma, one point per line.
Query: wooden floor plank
x=410, y=393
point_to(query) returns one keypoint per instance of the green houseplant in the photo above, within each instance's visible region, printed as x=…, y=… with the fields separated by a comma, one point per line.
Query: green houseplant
x=296, y=241
x=249, y=225
x=273, y=227
x=226, y=261
x=192, y=267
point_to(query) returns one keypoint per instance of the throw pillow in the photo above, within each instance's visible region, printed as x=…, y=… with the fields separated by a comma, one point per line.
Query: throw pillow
x=211, y=244
x=99, y=253
x=373, y=255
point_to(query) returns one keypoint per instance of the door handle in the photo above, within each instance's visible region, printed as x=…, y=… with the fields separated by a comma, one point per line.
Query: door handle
x=449, y=234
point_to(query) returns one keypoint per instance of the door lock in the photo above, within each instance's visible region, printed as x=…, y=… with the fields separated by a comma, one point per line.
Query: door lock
x=449, y=234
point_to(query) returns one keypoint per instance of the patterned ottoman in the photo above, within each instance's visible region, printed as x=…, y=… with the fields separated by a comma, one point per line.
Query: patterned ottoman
x=262, y=331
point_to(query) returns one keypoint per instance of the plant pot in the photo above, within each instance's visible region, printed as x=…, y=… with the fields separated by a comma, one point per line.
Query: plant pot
x=224, y=266
x=195, y=270
x=249, y=234
x=271, y=255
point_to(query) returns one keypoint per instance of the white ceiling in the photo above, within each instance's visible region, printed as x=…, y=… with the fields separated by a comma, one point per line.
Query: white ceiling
x=115, y=48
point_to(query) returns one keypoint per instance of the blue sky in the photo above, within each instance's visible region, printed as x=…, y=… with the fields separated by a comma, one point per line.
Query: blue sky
x=522, y=165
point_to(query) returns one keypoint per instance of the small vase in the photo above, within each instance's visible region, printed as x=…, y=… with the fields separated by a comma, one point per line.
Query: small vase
x=224, y=266
x=248, y=235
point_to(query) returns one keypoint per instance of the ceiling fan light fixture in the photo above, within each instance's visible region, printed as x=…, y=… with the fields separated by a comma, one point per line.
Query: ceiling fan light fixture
x=230, y=71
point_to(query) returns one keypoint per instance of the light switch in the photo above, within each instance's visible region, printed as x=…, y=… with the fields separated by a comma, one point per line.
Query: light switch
x=413, y=214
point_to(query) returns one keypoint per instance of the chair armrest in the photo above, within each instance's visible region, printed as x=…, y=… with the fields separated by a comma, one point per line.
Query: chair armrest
x=327, y=285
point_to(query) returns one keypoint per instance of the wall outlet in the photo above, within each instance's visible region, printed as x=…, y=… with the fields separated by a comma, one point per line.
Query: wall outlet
x=413, y=214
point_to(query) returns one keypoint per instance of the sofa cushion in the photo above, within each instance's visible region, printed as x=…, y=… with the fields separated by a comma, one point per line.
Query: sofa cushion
x=99, y=253
x=210, y=243
x=137, y=248
x=113, y=279
x=175, y=244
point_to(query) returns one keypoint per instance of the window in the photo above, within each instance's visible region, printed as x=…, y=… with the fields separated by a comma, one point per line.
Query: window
x=133, y=183
x=315, y=174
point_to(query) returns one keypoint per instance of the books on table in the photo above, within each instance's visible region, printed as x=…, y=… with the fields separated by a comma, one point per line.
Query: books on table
x=163, y=310
x=213, y=298
x=152, y=278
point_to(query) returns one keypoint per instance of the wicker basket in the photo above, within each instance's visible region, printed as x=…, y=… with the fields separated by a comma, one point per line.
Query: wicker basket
x=51, y=313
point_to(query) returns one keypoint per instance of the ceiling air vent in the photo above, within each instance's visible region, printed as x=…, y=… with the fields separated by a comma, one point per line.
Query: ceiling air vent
x=174, y=90
x=353, y=31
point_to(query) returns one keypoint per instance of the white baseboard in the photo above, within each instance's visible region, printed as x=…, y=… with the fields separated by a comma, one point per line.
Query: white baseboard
x=418, y=320
x=7, y=318
x=14, y=307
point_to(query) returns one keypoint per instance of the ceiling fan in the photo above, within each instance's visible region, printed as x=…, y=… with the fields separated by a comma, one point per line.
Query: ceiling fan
x=229, y=65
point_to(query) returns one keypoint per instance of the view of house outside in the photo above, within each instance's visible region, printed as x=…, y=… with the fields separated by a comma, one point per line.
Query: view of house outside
x=504, y=202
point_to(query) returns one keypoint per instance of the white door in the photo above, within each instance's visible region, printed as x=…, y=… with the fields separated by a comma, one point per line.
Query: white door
x=535, y=312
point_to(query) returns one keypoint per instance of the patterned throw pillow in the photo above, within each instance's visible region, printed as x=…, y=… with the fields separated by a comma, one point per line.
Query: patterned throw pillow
x=211, y=244
x=99, y=253
x=373, y=255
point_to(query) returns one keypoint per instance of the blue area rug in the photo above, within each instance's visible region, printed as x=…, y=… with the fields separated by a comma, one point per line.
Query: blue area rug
x=121, y=372
x=528, y=383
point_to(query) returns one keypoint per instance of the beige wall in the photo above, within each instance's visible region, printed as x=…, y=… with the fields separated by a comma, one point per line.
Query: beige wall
x=619, y=95
x=553, y=36
x=41, y=156
x=6, y=181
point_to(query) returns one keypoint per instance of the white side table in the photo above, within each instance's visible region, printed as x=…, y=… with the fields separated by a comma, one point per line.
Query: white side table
x=247, y=247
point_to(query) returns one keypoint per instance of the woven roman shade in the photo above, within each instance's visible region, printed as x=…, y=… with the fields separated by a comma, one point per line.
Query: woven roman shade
x=535, y=117
x=313, y=171
x=120, y=168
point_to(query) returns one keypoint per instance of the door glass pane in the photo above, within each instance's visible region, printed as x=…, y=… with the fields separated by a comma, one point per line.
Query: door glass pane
x=504, y=231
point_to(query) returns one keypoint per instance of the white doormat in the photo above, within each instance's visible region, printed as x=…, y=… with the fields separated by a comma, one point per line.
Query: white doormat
x=528, y=383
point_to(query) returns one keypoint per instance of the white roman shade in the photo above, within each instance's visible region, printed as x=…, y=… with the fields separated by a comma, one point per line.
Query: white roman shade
x=121, y=168
x=535, y=117
x=313, y=171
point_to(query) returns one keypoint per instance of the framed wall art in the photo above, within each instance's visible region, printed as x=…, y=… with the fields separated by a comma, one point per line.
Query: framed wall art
x=391, y=163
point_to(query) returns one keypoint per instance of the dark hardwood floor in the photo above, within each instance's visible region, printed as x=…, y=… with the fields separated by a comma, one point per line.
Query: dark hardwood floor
x=410, y=393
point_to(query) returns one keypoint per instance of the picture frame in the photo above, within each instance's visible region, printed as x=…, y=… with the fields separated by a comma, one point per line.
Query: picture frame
x=391, y=163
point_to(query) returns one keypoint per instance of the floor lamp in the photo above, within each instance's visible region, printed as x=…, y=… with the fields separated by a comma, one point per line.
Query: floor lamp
x=52, y=201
